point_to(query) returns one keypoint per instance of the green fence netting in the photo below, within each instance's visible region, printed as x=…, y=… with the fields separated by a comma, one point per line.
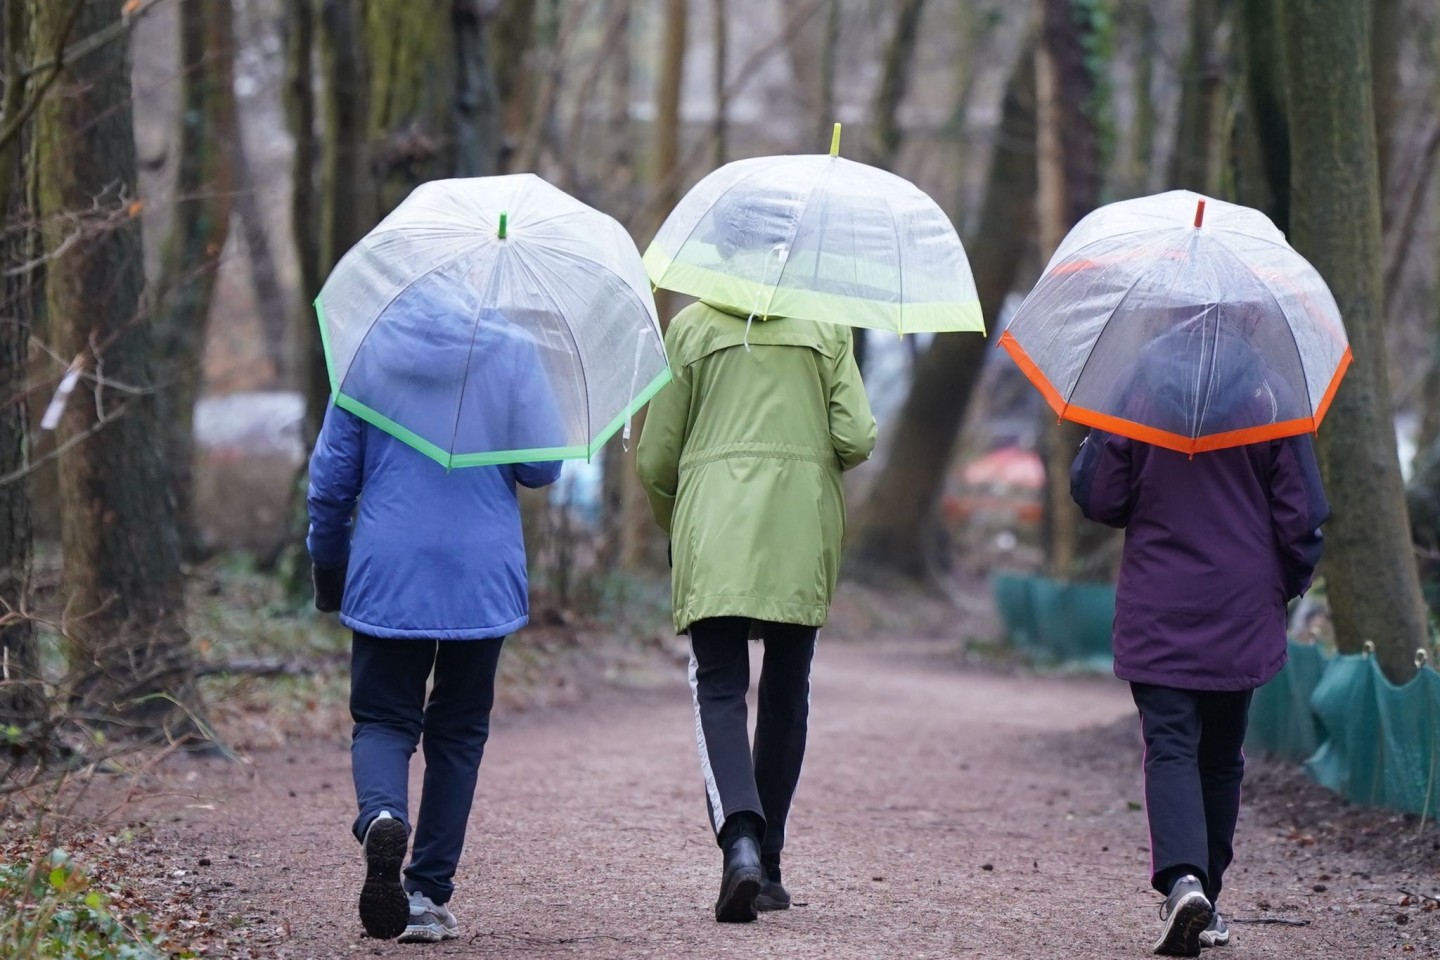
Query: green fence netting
x=1381, y=742
x=1281, y=721
x=1057, y=622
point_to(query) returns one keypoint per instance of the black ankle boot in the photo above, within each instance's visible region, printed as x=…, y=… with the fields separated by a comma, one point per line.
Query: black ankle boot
x=740, y=882
x=773, y=895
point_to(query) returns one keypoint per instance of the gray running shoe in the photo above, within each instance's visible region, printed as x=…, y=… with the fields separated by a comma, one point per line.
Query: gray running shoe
x=1217, y=934
x=1186, y=913
x=429, y=922
x=383, y=907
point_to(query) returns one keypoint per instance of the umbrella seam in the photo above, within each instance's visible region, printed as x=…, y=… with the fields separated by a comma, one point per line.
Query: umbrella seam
x=574, y=341
x=790, y=243
x=470, y=353
x=1299, y=355
x=340, y=387
x=1091, y=352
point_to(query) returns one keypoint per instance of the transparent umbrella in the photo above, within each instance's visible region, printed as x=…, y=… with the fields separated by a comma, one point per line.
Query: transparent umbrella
x=818, y=238
x=493, y=320
x=1183, y=322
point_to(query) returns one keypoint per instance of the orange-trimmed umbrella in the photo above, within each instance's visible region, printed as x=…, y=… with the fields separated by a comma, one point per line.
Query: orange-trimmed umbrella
x=1184, y=322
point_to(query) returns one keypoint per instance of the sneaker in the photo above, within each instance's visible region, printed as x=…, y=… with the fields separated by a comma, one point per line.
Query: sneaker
x=384, y=908
x=1217, y=934
x=773, y=895
x=430, y=922
x=1186, y=913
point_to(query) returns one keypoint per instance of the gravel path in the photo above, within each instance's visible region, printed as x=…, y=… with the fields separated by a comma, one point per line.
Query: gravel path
x=943, y=813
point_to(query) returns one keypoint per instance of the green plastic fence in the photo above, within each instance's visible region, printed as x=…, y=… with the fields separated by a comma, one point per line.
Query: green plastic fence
x=1381, y=742
x=1057, y=622
x=1281, y=721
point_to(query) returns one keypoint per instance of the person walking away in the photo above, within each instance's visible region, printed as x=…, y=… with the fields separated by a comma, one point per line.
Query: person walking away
x=1216, y=544
x=740, y=457
x=429, y=572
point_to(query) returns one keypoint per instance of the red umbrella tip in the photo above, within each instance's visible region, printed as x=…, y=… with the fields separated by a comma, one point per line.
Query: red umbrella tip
x=1199, y=213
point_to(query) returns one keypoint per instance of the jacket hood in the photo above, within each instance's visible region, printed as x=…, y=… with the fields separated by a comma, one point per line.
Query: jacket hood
x=737, y=312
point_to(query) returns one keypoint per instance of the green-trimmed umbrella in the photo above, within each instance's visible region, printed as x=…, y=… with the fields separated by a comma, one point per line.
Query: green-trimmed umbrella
x=493, y=320
x=820, y=238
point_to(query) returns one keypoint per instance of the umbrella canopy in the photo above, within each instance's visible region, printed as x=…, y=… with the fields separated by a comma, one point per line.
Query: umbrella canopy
x=818, y=238
x=1183, y=322
x=493, y=320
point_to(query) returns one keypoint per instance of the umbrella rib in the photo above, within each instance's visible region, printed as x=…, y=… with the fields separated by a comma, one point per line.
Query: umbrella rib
x=829, y=172
x=375, y=322
x=713, y=204
x=1304, y=374
x=470, y=354
x=1091, y=353
x=564, y=325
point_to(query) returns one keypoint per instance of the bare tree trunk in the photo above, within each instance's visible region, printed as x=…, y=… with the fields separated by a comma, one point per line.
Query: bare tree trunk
x=476, y=114
x=513, y=37
x=270, y=299
x=1069, y=187
x=719, y=29
x=1269, y=122
x=829, y=45
x=199, y=227
x=305, y=212
x=128, y=651
x=1197, y=160
x=1142, y=147
x=638, y=540
x=885, y=110
x=21, y=700
x=1386, y=33
x=896, y=530
x=1370, y=571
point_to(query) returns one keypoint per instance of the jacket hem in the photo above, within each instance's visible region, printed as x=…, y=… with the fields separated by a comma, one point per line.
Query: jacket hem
x=1199, y=681
x=433, y=633
x=756, y=608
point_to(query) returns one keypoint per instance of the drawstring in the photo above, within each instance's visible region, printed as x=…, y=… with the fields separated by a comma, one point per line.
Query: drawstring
x=780, y=254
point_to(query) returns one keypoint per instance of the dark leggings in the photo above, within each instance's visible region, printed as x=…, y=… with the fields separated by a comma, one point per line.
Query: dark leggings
x=756, y=784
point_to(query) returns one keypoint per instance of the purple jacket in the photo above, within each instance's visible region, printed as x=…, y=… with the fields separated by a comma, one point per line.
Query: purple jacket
x=1215, y=545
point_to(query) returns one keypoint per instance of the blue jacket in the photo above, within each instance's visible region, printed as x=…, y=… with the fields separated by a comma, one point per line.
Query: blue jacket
x=429, y=552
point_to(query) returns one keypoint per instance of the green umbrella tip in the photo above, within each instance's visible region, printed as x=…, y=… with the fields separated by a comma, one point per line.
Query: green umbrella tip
x=504, y=219
x=835, y=141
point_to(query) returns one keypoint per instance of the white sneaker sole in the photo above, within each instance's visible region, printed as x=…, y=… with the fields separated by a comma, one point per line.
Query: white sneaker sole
x=1209, y=938
x=1181, y=936
x=428, y=933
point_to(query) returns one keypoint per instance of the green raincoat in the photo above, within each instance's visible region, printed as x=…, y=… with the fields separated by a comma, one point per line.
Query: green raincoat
x=741, y=457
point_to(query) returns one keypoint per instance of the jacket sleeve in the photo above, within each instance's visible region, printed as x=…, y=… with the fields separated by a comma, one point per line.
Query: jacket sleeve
x=852, y=425
x=662, y=441
x=1298, y=508
x=1100, y=479
x=337, y=472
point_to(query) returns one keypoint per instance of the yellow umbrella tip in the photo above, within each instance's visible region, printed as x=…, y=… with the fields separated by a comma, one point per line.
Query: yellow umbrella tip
x=835, y=141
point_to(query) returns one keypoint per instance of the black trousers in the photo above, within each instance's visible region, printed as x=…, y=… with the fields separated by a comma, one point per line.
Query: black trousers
x=1194, y=764
x=741, y=780
x=393, y=715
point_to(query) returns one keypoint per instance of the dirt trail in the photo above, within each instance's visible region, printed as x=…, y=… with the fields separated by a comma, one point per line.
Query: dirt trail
x=942, y=813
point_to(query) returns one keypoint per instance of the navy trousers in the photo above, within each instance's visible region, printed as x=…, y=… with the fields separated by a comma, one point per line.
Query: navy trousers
x=392, y=716
x=1194, y=764
x=756, y=784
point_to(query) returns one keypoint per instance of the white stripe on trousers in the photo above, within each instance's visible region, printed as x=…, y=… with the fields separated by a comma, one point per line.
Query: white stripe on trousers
x=717, y=812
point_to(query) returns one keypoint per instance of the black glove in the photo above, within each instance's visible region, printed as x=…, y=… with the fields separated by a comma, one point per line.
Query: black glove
x=329, y=587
